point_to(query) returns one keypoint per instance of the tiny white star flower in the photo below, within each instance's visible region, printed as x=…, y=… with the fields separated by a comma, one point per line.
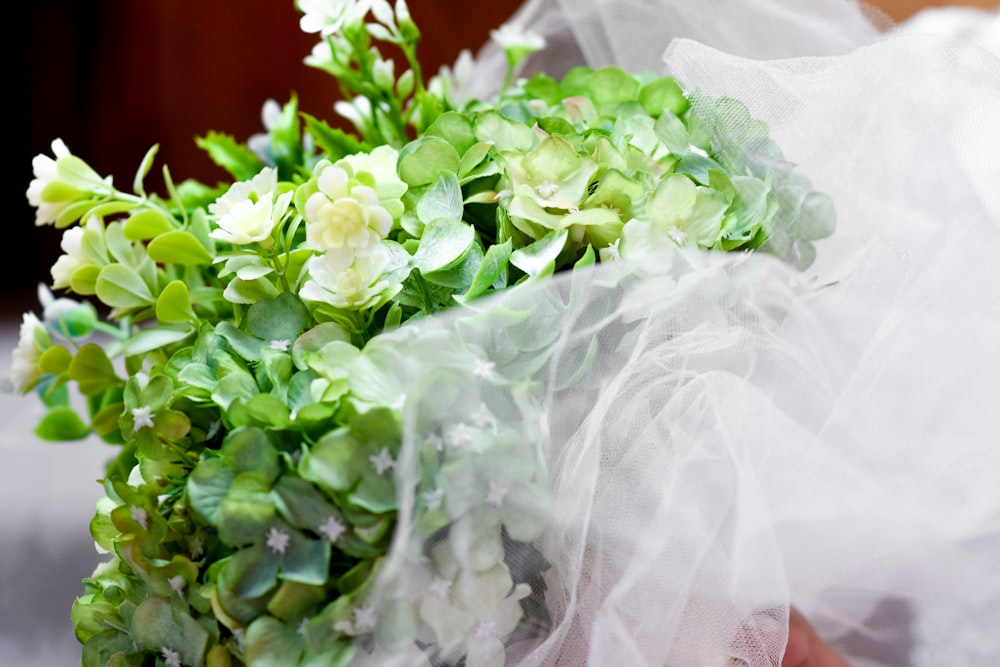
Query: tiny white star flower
x=177, y=583
x=440, y=588
x=197, y=548
x=482, y=418
x=458, y=436
x=496, y=494
x=143, y=417
x=484, y=369
x=677, y=235
x=382, y=461
x=611, y=252
x=240, y=636
x=364, y=618
x=280, y=345
x=140, y=517
x=547, y=189
x=302, y=627
x=277, y=540
x=433, y=498
x=171, y=658
x=332, y=529
x=486, y=629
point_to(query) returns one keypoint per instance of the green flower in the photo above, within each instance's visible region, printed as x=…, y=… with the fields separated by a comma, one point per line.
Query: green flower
x=679, y=214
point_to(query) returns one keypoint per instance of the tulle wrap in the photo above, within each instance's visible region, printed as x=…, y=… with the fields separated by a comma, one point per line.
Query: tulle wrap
x=691, y=449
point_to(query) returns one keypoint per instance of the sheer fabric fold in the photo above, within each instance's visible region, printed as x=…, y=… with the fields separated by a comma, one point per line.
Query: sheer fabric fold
x=713, y=443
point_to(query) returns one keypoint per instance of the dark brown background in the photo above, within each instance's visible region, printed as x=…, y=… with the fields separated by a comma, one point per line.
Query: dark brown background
x=113, y=77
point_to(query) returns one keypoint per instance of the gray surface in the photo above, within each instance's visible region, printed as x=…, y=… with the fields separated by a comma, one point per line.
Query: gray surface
x=47, y=496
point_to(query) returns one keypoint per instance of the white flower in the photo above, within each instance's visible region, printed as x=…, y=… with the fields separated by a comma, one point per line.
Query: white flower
x=177, y=584
x=364, y=618
x=484, y=369
x=143, y=417
x=514, y=38
x=343, y=213
x=327, y=17
x=72, y=245
x=379, y=166
x=440, y=588
x=24, y=371
x=457, y=85
x=171, y=658
x=332, y=529
x=250, y=210
x=260, y=143
x=76, y=184
x=382, y=461
x=345, y=281
x=433, y=499
x=277, y=540
x=280, y=345
x=496, y=494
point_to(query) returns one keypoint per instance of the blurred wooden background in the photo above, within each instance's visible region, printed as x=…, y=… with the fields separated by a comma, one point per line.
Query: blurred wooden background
x=113, y=77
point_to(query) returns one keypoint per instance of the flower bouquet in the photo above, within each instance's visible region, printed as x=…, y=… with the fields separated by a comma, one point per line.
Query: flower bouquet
x=330, y=381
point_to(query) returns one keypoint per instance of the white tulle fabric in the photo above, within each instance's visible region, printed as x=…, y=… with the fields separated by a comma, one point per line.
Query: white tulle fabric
x=750, y=437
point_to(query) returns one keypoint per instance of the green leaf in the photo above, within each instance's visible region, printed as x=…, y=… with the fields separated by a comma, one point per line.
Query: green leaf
x=157, y=624
x=146, y=224
x=250, y=291
x=455, y=128
x=120, y=286
x=541, y=255
x=121, y=249
x=174, y=304
x=231, y=155
x=286, y=149
x=441, y=200
x=99, y=650
x=504, y=133
x=663, y=93
x=252, y=572
x=293, y=600
x=250, y=450
x=279, y=319
x=423, y=160
x=333, y=462
x=92, y=370
x=55, y=360
x=492, y=272
x=443, y=243
x=610, y=86
x=333, y=141
x=84, y=279
x=62, y=424
x=156, y=337
x=144, y=167
x=178, y=247
x=271, y=643
x=207, y=486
